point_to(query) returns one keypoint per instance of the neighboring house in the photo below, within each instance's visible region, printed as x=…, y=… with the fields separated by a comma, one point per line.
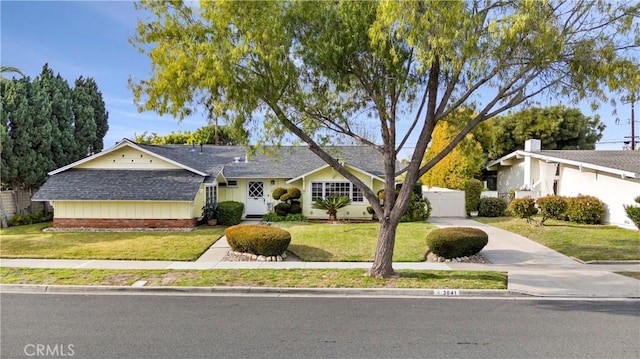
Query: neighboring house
x=134, y=185
x=611, y=176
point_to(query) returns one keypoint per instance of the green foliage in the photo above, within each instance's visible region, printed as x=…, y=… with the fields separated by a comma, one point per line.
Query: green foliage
x=282, y=208
x=492, y=207
x=331, y=204
x=28, y=218
x=294, y=193
x=472, y=191
x=271, y=217
x=295, y=217
x=274, y=217
x=465, y=161
x=227, y=135
x=230, y=212
x=295, y=208
x=551, y=206
x=523, y=208
x=419, y=209
x=278, y=192
x=585, y=209
x=210, y=211
x=559, y=128
x=455, y=242
x=258, y=239
x=46, y=124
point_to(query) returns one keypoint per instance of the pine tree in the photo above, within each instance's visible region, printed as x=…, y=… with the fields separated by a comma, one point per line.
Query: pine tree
x=85, y=125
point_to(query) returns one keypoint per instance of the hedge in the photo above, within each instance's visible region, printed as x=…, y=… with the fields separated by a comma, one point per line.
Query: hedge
x=455, y=242
x=258, y=239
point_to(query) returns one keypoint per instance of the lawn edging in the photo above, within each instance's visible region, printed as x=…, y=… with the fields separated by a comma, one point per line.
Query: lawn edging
x=222, y=290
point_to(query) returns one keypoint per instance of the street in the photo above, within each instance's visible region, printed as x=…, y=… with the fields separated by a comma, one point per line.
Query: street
x=170, y=326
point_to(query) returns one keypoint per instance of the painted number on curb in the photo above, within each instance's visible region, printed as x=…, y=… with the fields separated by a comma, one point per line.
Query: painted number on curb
x=446, y=292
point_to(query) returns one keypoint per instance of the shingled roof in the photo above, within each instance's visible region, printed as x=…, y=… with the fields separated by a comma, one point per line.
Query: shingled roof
x=626, y=163
x=120, y=185
x=287, y=162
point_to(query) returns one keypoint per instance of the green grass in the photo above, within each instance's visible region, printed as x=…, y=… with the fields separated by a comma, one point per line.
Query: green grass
x=30, y=242
x=585, y=242
x=635, y=275
x=354, y=242
x=283, y=278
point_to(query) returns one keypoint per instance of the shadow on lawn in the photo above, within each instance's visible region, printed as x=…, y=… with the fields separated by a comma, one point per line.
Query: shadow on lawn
x=310, y=254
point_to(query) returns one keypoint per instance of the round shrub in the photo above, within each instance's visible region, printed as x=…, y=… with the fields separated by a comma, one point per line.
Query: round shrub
x=294, y=193
x=258, y=239
x=551, y=206
x=454, y=242
x=523, y=207
x=295, y=208
x=492, y=207
x=282, y=209
x=585, y=209
x=285, y=197
x=278, y=192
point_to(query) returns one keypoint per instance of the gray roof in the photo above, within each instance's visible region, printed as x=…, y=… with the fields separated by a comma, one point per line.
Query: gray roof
x=120, y=185
x=284, y=162
x=620, y=160
x=625, y=163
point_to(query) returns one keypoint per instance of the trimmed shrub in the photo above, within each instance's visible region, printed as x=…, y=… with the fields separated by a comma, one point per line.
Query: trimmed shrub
x=278, y=192
x=585, y=209
x=492, y=207
x=295, y=208
x=633, y=212
x=523, y=207
x=472, y=191
x=551, y=206
x=294, y=193
x=454, y=242
x=419, y=209
x=285, y=197
x=258, y=239
x=230, y=213
x=28, y=218
x=282, y=209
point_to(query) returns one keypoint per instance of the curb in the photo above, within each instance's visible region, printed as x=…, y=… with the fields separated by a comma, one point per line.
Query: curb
x=631, y=262
x=381, y=292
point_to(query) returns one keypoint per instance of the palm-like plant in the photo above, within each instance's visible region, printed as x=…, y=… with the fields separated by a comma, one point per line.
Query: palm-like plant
x=331, y=204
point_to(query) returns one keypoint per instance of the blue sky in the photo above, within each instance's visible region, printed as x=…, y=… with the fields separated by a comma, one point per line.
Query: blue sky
x=90, y=38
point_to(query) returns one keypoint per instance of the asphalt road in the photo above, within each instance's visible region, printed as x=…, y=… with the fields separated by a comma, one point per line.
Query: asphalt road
x=158, y=326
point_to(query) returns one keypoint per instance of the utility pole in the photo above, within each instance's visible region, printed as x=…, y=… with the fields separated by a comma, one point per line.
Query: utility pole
x=633, y=126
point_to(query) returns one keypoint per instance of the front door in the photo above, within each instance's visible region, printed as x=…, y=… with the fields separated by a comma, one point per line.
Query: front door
x=256, y=201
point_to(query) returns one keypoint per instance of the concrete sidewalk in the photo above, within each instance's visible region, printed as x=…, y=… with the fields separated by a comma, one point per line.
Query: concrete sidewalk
x=533, y=269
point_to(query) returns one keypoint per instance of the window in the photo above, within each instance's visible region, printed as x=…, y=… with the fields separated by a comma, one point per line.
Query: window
x=230, y=183
x=334, y=188
x=210, y=193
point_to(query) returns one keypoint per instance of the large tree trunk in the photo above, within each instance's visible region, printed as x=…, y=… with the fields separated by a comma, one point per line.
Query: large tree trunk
x=383, y=261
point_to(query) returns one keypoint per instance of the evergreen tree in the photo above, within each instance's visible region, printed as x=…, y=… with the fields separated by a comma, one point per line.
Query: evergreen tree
x=559, y=128
x=85, y=125
x=63, y=146
x=100, y=114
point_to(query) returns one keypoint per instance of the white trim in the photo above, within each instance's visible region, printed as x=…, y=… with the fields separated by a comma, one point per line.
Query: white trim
x=123, y=143
x=581, y=165
x=302, y=176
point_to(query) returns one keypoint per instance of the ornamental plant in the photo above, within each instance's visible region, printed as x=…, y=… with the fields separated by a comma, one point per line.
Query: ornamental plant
x=551, y=206
x=331, y=204
x=585, y=209
x=523, y=208
x=633, y=212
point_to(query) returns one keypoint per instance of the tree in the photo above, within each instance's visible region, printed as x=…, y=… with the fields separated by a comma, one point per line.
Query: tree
x=464, y=162
x=63, y=149
x=311, y=69
x=203, y=135
x=559, y=128
x=4, y=69
x=85, y=127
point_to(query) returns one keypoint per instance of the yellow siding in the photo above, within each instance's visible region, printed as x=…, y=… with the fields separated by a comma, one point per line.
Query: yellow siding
x=357, y=210
x=128, y=158
x=124, y=209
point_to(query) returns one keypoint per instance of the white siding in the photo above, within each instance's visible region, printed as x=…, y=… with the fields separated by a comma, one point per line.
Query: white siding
x=612, y=190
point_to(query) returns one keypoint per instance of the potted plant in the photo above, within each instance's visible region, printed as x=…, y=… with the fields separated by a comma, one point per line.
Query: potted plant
x=210, y=213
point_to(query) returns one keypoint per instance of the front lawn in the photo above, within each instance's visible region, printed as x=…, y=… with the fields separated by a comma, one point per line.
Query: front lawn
x=282, y=278
x=585, y=242
x=30, y=242
x=320, y=242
